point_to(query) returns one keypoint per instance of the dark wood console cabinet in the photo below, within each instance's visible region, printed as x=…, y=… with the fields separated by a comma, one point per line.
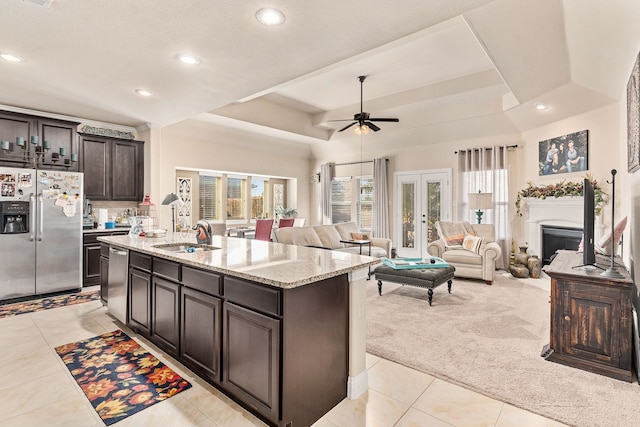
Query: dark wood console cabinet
x=113, y=168
x=591, y=317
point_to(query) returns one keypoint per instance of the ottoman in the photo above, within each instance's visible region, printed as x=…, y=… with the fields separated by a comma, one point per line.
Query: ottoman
x=423, y=278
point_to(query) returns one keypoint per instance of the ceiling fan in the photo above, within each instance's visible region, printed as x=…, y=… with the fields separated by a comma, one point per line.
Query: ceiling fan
x=362, y=119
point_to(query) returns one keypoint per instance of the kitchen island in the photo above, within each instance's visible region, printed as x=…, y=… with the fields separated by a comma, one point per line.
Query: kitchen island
x=279, y=328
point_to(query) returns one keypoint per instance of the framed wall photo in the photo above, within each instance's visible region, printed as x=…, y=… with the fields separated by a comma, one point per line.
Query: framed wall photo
x=564, y=154
x=633, y=117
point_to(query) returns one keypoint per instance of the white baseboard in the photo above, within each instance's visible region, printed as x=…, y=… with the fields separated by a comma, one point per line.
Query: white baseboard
x=357, y=386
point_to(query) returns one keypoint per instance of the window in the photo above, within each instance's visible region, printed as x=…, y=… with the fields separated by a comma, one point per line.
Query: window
x=352, y=200
x=236, y=199
x=259, y=205
x=243, y=199
x=495, y=181
x=209, y=187
x=365, y=203
x=340, y=200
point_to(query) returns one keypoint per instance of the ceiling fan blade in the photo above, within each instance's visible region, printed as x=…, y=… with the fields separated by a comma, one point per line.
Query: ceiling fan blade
x=341, y=120
x=348, y=126
x=384, y=120
x=372, y=126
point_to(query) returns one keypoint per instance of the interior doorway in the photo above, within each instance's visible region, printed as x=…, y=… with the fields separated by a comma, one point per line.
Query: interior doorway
x=421, y=199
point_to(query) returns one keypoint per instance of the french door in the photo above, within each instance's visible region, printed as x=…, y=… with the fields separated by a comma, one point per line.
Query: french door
x=422, y=198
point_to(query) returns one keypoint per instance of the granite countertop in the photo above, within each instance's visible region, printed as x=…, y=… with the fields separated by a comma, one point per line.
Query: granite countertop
x=276, y=264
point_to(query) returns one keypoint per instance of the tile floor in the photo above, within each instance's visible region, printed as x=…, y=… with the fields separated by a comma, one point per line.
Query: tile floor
x=37, y=389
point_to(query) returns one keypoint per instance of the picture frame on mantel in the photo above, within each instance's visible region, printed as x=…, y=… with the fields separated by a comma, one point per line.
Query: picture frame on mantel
x=633, y=117
x=564, y=154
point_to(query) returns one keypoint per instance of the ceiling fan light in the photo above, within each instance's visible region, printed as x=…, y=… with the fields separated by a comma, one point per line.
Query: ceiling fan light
x=362, y=129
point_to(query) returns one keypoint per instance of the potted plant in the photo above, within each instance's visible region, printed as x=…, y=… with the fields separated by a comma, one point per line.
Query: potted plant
x=282, y=212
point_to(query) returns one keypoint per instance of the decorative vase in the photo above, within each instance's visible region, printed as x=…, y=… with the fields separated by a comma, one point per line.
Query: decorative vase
x=522, y=257
x=535, y=266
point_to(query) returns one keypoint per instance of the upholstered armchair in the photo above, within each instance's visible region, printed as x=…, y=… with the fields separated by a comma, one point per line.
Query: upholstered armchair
x=471, y=249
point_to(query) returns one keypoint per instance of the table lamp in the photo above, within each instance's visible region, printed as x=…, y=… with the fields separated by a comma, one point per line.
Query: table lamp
x=172, y=200
x=480, y=201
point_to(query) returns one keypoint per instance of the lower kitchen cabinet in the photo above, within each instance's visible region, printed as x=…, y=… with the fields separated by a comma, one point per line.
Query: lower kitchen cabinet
x=251, y=355
x=91, y=253
x=104, y=273
x=140, y=301
x=200, y=331
x=91, y=264
x=165, y=315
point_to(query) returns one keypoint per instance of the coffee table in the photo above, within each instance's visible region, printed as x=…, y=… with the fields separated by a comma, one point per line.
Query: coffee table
x=423, y=278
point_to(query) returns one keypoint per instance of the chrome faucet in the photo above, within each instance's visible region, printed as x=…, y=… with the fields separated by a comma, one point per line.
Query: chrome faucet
x=203, y=234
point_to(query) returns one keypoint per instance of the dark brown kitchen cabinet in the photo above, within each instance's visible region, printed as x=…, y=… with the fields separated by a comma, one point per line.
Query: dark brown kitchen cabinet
x=139, y=296
x=165, y=315
x=104, y=273
x=591, y=317
x=59, y=133
x=91, y=256
x=91, y=264
x=201, y=318
x=113, y=168
x=251, y=358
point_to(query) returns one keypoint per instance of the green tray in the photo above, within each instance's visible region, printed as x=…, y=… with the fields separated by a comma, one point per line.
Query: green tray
x=408, y=263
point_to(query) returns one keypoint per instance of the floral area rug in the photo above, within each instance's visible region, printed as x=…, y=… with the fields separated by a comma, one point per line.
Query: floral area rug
x=118, y=376
x=47, y=303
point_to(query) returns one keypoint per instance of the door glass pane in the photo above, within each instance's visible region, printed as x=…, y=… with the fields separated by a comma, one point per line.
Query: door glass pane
x=433, y=209
x=408, y=214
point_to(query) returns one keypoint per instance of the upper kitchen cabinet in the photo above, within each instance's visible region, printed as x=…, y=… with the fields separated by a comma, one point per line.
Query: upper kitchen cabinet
x=60, y=152
x=113, y=168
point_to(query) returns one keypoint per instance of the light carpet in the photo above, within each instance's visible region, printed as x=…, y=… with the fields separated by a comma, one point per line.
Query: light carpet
x=489, y=339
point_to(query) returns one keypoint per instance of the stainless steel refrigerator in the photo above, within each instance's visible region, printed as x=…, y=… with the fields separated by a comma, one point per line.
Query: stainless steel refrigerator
x=40, y=232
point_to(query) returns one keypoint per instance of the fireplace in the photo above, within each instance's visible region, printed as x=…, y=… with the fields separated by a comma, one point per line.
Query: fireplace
x=555, y=238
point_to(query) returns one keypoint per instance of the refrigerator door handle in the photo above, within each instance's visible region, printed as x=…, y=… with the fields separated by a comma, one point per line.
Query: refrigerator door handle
x=41, y=211
x=32, y=212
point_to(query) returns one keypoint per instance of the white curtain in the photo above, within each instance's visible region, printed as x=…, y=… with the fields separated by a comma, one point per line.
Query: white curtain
x=380, y=199
x=326, y=176
x=487, y=170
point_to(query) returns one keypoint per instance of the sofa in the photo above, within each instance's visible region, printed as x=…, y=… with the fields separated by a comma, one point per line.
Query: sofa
x=470, y=248
x=330, y=236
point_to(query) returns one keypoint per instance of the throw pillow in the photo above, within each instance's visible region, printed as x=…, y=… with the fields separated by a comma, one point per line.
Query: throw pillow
x=452, y=233
x=472, y=243
x=604, y=245
x=360, y=236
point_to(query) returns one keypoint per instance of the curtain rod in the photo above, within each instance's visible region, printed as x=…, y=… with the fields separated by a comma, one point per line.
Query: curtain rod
x=490, y=148
x=356, y=163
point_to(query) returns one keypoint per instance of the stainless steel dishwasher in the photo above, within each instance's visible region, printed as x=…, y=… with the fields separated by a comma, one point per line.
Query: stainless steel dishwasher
x=118, y=282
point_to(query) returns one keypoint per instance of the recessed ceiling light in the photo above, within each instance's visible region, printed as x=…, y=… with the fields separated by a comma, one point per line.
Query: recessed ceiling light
x=188, y=59
x=143, y=92
x=270, y=16
x=11, y=58
x=541, y=106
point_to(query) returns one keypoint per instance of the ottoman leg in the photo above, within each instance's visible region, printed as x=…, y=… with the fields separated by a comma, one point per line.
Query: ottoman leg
x=449, y=285
x=430, y=296
x=379, y=287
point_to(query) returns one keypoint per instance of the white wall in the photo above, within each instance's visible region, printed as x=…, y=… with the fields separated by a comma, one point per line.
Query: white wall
x=201, y=145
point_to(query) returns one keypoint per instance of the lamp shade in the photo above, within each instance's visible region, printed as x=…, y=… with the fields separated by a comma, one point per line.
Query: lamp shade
x=480, y=201
x=171, y=199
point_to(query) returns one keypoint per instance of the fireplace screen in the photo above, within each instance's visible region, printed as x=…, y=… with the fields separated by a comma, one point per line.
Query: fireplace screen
x=555, y=238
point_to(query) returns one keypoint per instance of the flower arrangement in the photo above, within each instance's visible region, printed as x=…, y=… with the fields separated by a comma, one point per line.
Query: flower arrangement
x=283, y=212
x=562, y=189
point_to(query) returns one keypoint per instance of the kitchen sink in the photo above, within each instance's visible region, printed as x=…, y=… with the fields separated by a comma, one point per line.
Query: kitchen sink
x=185, y=247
